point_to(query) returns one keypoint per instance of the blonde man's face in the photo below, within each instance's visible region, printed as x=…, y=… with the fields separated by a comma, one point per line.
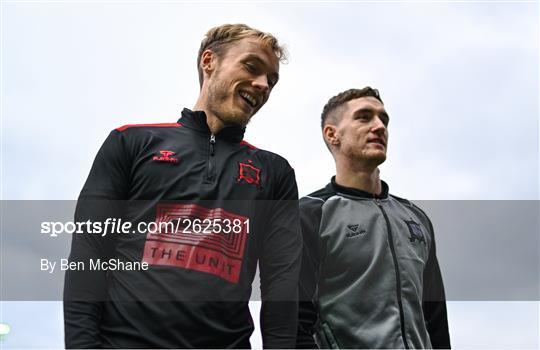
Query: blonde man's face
x=242, y=81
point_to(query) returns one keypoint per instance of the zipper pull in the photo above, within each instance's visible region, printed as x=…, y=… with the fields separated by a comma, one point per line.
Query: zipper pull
x=212, y=142
x=378, y=201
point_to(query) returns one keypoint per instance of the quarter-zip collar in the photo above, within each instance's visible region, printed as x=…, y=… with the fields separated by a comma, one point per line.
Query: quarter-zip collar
x=197, y=120
x=333, y=186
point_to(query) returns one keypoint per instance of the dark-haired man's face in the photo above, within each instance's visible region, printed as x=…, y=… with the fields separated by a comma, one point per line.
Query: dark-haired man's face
x=242, y=81
x=363, y=131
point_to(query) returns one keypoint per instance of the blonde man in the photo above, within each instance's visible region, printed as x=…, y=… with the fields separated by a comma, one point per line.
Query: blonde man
x=233, y=206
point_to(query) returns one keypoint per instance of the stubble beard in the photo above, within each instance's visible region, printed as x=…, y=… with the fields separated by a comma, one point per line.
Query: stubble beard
x=364, y=159
x=373, y=160
x=218, y=98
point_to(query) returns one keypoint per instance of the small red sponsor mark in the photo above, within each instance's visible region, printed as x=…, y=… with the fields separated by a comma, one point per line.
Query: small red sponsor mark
x=249, y=174
x=166, y=156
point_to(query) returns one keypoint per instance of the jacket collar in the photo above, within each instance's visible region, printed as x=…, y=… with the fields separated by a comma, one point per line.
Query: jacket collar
x=197, y=120
x=333, y=186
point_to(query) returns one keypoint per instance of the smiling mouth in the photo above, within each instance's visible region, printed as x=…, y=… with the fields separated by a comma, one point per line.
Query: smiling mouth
x=249, y=98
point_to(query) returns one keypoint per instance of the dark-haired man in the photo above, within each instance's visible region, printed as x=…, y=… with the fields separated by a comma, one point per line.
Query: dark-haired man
x=231, y=206
x=370, y=277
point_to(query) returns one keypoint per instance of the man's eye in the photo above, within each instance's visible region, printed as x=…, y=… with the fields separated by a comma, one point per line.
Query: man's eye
x=251, y=68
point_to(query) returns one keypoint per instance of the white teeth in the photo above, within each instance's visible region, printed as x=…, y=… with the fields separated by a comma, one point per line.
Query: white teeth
x=252, y=101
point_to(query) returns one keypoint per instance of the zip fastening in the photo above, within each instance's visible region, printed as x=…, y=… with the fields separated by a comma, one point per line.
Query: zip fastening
x=212, y=143
x=398, y=277
x=210, y=173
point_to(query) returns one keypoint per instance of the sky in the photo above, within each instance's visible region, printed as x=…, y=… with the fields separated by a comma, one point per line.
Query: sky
x=459, y=80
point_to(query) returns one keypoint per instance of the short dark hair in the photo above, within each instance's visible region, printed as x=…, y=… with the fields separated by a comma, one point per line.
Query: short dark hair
x=218, y=38
x=335, y=102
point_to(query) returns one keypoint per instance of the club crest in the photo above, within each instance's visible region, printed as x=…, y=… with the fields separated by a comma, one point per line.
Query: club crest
x=249, y=174
x=416, y=232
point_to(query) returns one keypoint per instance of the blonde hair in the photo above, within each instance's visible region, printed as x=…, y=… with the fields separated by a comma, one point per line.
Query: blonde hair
x=219, y=38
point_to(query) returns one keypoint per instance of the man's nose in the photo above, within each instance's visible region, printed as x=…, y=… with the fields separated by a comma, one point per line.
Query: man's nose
x=261, y=83
x=378, y=125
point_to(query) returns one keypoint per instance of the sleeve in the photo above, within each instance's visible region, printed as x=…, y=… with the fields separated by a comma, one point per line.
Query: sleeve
x=280, y=266
x=310, y=217
x=85, y=290
x=434, y=303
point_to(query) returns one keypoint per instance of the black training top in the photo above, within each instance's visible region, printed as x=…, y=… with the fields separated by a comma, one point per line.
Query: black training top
x=233, y=206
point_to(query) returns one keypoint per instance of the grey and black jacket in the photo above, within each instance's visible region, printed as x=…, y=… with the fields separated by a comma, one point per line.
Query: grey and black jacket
x=370, y=277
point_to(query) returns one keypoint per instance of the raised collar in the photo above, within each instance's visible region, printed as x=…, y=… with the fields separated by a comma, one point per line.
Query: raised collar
x=197, y=120
x=333, y=186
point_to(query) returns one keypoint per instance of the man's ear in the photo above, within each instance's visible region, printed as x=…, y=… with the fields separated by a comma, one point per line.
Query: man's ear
x=331, y=135
x=208, y=62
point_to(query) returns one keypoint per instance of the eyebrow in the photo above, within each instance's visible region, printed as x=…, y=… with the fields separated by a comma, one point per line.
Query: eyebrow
x=274, y=75
x=372, y=110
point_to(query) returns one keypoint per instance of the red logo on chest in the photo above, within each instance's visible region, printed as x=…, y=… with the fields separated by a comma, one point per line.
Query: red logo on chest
x=166, y=156
x=198, y=238
x=249, y=174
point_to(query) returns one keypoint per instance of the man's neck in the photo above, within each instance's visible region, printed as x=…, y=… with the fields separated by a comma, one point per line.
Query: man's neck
x=213, y=122
x=366, y=179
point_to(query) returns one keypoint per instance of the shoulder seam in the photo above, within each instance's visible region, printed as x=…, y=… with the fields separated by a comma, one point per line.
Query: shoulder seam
x=402, y=200
x=322, y=200
x=249, y=145
x=156, y=125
